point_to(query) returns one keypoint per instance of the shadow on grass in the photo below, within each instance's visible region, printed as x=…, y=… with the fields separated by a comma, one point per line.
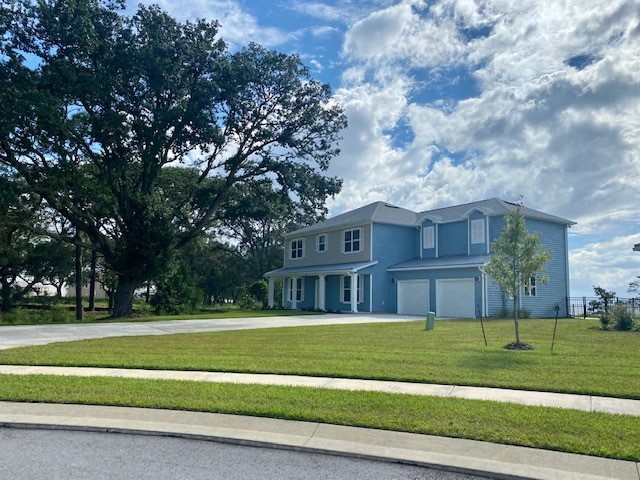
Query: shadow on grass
x=492, y=361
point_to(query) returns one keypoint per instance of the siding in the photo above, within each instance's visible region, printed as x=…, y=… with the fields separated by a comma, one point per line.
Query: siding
x=555, y=291
x=332, y=292
x=452, y=238
x=392, y=244
x=333, y=254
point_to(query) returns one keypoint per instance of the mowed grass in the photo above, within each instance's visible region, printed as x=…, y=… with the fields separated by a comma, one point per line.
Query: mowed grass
x=585, y=360
x=615, y=436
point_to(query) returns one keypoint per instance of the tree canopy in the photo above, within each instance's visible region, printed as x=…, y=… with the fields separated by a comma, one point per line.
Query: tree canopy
x=136, y=129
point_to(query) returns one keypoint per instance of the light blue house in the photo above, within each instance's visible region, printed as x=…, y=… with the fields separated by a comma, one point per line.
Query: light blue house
x=383, y=258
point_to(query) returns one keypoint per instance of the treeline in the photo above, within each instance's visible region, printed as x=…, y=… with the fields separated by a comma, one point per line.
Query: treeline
x=149, y=145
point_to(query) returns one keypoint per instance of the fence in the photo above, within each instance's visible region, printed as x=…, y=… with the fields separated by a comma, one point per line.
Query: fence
x=593, y=306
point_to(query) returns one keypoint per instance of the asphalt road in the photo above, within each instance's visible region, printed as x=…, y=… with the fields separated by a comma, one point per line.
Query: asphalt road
x=25, y=335
x=69, y=455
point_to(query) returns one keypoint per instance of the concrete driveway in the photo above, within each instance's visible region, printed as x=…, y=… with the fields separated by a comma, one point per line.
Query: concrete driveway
x=26, y=335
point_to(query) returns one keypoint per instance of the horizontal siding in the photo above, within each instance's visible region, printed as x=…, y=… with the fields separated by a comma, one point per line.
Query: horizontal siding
x=452, y=238
x=334, y=254
x=392, y=244
x=555, y=291
x=332, y=294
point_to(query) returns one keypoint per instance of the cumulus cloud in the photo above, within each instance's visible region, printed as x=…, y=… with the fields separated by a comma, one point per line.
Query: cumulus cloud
x=554, y=115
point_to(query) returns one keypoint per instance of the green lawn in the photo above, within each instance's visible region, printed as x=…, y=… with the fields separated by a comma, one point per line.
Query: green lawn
x=585, y=360
x=616, y=436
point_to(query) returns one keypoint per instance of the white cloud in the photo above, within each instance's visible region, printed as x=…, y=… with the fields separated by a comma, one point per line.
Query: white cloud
x=564, y=133
x=609, y=264
x=237, y=26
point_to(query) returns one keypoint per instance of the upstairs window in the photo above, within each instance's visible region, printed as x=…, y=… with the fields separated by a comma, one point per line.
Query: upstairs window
x=477, y=231
x=297, y=248
x=429, y=237
x=352, y=240
x=321, y=243
x=530, y=287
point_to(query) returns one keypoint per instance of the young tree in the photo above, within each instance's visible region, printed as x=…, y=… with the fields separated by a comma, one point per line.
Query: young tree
x=106, y=102
x=516, y=256
x=605, y=296
x=53, y=263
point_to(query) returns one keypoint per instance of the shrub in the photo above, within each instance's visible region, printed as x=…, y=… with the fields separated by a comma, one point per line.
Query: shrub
x=177, y=293
x=259, y=290
x=622, y=318
x=605, y=320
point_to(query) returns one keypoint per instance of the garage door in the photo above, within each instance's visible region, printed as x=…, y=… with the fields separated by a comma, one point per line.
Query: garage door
x=456, y=298
x=413, y=297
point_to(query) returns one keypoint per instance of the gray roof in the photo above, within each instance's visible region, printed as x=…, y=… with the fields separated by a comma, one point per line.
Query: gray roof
x=317, y=269
x=382, y=212
x=458, y=261
x=491, y=206
x=379, y=212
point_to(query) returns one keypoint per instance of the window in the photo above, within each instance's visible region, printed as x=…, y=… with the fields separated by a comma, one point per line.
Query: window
x=429, y=237
x=352, y=240
x=347, y=290
x=477, y=231
x=297, y=248
x=530, y=287
x=321, y=243
x=297, y=287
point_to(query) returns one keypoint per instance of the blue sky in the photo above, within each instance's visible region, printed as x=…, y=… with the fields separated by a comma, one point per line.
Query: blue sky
x=451, y=101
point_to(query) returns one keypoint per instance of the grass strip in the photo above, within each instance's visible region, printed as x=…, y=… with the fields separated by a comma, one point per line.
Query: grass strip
x=599, y=434
x=585, y=361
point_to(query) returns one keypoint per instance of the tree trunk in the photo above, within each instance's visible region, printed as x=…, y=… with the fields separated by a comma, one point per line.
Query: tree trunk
x=147, y=294
x=59, y=291
x=79, y=312
x=515, y=318
x=6, y=304
x=123, y=297
x=92, y=281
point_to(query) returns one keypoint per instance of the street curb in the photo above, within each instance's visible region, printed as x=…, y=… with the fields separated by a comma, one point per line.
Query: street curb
x=264, y=444
x=441, y=453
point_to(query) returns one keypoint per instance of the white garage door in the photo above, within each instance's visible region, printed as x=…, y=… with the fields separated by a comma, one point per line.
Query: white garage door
x=413, y=297
x=456, y=298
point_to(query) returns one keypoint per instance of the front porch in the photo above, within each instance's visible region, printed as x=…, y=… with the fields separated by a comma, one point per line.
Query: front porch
x=324, y=288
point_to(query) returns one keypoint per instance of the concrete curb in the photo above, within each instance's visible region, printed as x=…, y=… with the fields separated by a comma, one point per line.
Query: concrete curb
x=587, y=403
x=458, y=455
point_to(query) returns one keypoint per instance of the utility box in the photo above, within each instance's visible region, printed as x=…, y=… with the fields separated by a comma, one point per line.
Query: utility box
x=431, y=320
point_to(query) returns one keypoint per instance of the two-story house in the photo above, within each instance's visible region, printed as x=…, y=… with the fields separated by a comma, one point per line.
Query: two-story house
x=383, y=258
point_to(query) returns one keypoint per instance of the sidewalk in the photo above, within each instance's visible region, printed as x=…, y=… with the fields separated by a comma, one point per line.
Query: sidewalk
x=587, y=403
x=467, y=456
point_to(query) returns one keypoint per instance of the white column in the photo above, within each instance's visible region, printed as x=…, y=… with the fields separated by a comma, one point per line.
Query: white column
x=321, y=292
x=271, y=292
x=294, y=293
x=354, y=292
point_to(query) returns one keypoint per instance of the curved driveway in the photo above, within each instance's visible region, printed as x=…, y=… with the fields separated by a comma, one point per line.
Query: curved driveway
x=25, y=335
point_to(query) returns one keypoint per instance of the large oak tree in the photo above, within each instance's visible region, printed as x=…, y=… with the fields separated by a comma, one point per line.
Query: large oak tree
x=96, y=105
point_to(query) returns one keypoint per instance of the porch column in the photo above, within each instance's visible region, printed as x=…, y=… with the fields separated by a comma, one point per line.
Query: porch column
x=294, y=293
x=354, y=292
x=321, y=292
x=271, y=292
